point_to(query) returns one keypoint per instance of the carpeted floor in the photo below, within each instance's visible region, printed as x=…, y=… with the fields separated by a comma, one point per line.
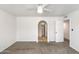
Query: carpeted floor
x=40, y=48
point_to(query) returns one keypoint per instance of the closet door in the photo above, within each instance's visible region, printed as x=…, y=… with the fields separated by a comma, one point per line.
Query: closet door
x=59, y=31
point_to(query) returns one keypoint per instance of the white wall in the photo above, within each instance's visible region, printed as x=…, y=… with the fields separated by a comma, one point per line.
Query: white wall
x=74, y=24
x=66, y=29
x=7, y=30
x=27, y=28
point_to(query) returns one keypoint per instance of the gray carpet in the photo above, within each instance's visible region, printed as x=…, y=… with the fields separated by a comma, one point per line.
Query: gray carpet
x=40, y=48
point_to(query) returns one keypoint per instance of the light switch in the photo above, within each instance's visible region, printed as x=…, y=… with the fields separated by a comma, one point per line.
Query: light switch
x=72, y=30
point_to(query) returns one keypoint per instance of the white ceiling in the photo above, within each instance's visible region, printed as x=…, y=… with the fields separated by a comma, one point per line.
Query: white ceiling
x=30, y=9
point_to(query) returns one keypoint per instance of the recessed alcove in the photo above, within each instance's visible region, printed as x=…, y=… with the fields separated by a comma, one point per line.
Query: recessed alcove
x=42, y=31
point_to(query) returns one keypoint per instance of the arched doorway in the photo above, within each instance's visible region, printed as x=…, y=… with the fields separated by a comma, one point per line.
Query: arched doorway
x=42, y=31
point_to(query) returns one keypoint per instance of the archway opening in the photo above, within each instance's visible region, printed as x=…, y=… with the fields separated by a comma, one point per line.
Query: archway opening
x=42, y=31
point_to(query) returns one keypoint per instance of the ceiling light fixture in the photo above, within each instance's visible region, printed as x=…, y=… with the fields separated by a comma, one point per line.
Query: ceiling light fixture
x=40, y=9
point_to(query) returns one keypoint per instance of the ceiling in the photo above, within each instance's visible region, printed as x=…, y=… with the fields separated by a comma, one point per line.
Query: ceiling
x=31, y=9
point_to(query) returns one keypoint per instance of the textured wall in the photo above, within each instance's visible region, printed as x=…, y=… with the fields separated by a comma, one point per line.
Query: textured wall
x=27, y=28
x=7, y=30
x=74, y=24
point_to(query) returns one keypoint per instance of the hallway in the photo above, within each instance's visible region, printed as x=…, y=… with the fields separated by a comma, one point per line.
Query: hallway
x=39, y=48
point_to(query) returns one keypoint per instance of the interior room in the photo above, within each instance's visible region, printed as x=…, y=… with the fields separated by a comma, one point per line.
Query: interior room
x=66, y=30
x=39, y=28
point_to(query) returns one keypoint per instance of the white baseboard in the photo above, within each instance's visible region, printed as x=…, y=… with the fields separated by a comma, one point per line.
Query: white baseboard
x=6, y=47
x=74, y=48
x=26, y=41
